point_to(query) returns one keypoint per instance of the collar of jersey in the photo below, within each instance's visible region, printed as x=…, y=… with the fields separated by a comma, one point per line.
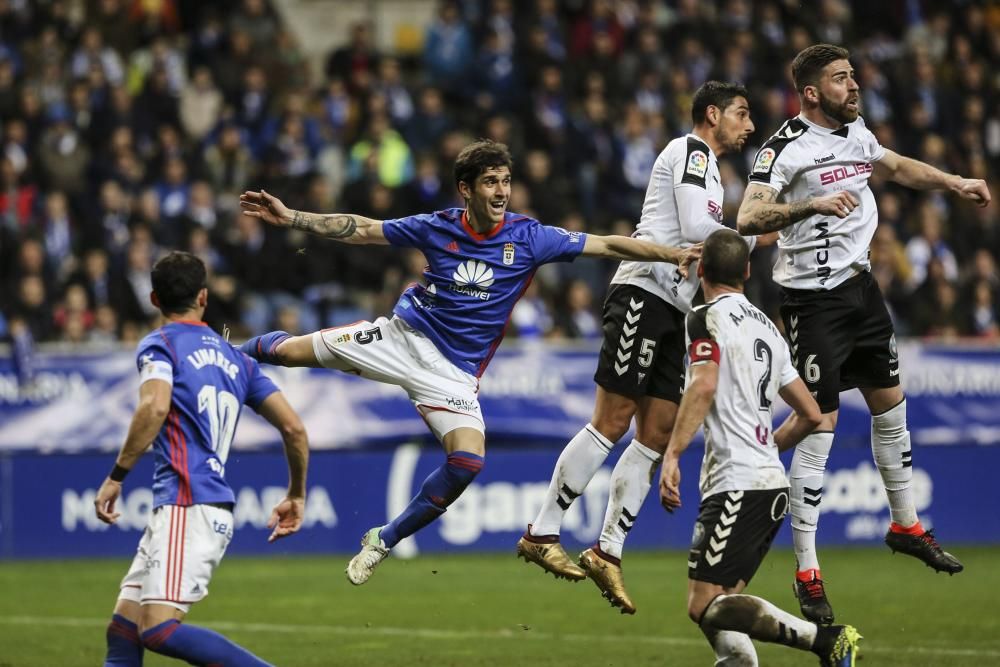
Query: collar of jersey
x=476, y=235
x=820, y=128
x=723, y=296
x=191, y=322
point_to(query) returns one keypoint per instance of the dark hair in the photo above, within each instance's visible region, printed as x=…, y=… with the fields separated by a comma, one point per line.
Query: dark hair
x=809, y=63
x=479, y=156
x=724, y=258
x=714, y=93
x=177, y=279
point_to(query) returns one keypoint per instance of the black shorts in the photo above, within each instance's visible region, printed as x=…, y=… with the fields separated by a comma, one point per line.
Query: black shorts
x=841, y=338
x=643, y=349
x=733, y=533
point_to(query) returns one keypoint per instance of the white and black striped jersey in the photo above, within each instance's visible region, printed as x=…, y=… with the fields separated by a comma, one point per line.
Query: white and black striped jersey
x=683, y=206
x=754, y=363
x=804, y=160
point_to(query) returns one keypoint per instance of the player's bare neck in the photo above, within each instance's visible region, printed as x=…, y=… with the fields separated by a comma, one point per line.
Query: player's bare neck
x=484, y=227
x=713, y=291
x=816, y=116
x=187, y=317
x=706, y=135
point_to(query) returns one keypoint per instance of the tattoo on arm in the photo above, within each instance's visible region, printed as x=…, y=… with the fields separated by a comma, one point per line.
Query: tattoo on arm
x=768, y=216
x=333, y=226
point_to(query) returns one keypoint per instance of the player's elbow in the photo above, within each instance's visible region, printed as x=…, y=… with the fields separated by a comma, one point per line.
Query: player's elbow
x=703, y=387
x=811, y=416
x=293, y=430
x=744, y=224
x=155, y=409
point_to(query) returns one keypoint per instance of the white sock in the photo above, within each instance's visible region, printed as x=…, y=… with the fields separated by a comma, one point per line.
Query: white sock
x=580, y=459
x=630, y=482
x=732, y=649
x=759, y=619
x=891, y=450
x=806, y=481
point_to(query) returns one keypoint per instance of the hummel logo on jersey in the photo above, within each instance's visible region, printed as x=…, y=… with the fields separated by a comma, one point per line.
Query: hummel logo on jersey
x=821, y=160
x=472, y=278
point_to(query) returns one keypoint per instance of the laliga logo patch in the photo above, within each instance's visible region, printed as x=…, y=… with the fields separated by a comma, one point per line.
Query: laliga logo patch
x=765, y=158
x=508, y=253
x=697, y=164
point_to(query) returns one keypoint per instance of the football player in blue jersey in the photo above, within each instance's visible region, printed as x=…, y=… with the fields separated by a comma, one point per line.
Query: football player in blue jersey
x=192, y=387
x=442, y=334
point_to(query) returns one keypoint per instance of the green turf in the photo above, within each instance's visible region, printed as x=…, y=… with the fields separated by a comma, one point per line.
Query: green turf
x=494, y=610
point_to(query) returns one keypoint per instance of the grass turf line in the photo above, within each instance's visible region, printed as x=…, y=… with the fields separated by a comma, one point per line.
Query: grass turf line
x=490, y=609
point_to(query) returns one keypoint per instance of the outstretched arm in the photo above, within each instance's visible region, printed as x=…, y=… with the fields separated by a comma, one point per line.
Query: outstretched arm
x=624, y=247
x=286, y=517
x=344, y=227
x=761, y=213
x=922, y=176
x=695, y=403
x=154, y=405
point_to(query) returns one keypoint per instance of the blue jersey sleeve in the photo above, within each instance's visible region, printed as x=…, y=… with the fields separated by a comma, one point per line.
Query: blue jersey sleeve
x=408, y=232
x=555, y=244
x=259, y=387
x=154, y=359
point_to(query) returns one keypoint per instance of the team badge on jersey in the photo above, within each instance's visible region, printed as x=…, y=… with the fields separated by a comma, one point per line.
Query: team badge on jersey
x=508, y=254
x=765, y=158
x=697, y=164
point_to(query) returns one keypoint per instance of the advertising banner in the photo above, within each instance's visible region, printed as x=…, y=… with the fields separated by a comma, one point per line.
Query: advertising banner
x=46, y=502
x=532, y=395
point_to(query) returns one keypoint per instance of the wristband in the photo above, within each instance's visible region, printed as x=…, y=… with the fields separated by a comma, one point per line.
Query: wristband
x=118, y=473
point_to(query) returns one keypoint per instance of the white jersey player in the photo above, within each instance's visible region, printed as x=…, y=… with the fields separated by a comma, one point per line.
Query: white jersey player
x=640, y=370
x=811, y=182
x=739, y=365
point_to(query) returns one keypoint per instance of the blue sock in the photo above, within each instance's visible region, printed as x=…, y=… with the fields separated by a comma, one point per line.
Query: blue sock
x=262, y=348
x=199, y=646
x=124, y=644
x=439, y=490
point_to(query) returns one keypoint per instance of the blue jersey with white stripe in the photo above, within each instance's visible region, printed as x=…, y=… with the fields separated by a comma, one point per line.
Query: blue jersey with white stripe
x=472, y=281
x=211, y=381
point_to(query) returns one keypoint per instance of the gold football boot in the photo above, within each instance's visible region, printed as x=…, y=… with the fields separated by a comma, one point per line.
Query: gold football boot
x=606, y=572
x=546, y=551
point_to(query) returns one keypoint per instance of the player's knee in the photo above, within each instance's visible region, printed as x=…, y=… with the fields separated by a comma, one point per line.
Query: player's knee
x=696, y=609
x=612, y=425
x=698, y=606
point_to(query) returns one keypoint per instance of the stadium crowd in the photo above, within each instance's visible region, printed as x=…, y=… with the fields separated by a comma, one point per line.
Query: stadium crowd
x=128, y=128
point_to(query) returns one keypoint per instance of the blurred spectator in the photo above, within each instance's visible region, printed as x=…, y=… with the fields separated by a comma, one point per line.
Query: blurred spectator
x=382, y=153
x=356, y=60
x=576, y=317
x=200, y=104
x=448, y=50
x=928, y=245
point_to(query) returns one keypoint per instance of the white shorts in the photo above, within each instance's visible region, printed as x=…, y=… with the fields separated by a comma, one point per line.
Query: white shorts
x=391, y=351
x=177, y=554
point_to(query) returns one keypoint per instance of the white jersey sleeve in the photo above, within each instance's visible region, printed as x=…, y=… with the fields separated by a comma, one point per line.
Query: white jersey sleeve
x=768, y=167
x=788, y=374
x=683, y=206
x=873, y=150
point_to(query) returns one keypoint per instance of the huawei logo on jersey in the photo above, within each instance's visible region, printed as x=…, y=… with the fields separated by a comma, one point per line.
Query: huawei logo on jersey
x=472, y=278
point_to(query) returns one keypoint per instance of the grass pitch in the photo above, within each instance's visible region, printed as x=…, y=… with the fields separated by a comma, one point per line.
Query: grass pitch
x=490, y=609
